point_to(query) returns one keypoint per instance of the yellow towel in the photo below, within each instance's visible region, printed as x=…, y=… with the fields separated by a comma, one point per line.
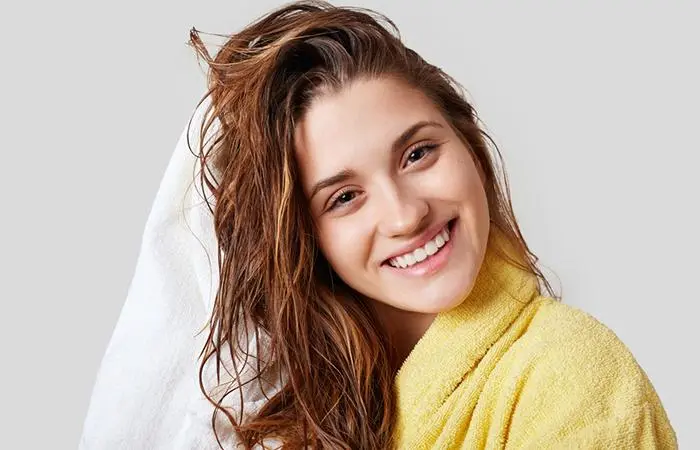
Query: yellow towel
x=509, y=368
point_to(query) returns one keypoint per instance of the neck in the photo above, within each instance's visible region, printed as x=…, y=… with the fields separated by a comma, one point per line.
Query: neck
x=404, y=328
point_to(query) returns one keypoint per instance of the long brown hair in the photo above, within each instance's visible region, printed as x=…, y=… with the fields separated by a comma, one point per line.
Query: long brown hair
x=337, y=388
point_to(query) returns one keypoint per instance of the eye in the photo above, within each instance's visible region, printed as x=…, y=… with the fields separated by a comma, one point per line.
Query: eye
x=420, y=152
x=342, y=199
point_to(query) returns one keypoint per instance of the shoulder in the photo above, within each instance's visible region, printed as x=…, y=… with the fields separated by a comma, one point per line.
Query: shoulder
x=577, y=380
x=557, y=321
x=562, y=339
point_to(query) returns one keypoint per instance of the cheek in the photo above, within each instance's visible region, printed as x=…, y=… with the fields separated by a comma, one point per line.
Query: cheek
x=345, y=246
x=461, y=186
x=457, y=178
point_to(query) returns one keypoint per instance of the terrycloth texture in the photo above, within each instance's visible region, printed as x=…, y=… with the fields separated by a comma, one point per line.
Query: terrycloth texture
x=509, y=368
x=146, y=395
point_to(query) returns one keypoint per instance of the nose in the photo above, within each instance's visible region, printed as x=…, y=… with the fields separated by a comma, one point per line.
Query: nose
x=401, y=212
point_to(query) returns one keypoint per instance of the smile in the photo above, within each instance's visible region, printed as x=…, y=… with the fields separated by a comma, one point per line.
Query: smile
x=422, y=253
x=428, y=258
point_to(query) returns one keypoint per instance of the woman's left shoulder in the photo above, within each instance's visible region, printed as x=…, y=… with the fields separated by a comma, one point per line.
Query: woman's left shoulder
x=560, y=328
x=567, y=347
x=570, y=351
x=579, y=385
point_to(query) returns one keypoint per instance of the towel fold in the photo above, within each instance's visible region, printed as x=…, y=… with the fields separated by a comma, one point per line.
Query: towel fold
x=146, y=395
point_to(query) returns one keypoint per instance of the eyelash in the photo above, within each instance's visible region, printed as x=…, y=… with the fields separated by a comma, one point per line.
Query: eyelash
x=428, y=148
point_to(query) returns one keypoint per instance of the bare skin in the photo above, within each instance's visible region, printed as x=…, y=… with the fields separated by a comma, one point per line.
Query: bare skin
x=375, y=196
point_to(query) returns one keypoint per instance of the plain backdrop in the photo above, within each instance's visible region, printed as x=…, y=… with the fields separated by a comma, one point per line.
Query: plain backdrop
x=594, y=106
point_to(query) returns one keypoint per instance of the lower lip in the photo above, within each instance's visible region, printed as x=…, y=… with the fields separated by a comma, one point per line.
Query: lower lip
x=433, y=263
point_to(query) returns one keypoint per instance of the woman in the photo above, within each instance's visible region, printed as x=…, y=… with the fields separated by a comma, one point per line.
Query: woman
x=370, y=254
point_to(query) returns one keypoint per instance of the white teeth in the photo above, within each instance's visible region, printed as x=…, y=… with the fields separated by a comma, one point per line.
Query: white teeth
x=409, y=259
x=439, y=240
x=420, y=254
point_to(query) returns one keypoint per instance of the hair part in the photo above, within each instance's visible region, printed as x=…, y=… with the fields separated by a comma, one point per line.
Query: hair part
x=337, y=390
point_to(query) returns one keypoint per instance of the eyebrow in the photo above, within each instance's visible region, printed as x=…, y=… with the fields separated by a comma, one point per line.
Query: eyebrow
x=398, y=143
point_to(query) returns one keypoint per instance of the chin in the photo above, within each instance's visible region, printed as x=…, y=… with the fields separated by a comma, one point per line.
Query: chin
x=434, y=302
x=442, y=306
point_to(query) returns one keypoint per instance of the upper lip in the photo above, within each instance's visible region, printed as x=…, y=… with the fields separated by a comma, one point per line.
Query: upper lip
x=419, y=241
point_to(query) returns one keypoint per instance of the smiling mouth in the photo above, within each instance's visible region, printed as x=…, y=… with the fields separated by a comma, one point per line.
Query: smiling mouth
x=425, y=252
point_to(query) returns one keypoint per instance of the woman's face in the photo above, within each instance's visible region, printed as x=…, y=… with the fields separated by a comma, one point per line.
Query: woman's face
x=398, y=202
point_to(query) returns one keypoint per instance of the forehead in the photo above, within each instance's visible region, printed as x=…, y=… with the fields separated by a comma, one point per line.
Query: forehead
x=357, y=124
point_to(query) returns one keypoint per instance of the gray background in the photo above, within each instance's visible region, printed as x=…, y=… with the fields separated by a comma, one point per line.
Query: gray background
x=594, y=106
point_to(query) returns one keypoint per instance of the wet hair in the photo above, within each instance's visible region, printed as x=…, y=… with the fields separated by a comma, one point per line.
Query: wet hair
x=337, y=384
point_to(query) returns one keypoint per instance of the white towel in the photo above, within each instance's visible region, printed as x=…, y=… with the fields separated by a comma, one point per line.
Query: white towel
x=146, y=395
